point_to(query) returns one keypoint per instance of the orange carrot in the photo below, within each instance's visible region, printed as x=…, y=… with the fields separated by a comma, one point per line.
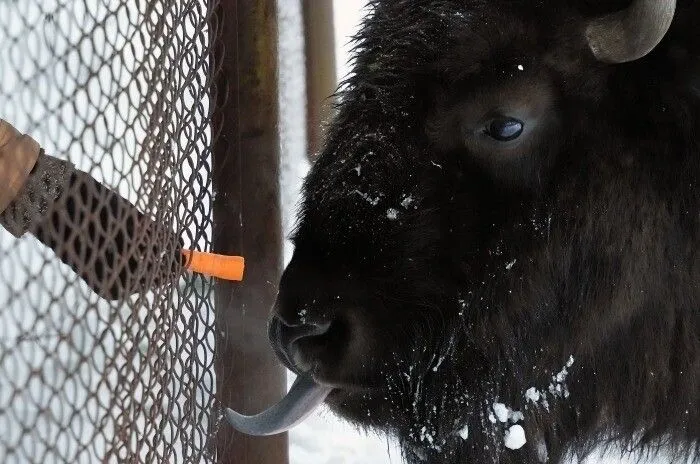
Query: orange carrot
x=221, y=266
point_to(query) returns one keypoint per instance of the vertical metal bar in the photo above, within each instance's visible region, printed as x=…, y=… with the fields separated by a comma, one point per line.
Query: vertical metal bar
x=247, y=220
x=321, y=79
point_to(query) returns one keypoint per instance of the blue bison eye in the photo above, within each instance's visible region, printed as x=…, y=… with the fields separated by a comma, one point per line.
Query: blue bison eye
x=504, y=129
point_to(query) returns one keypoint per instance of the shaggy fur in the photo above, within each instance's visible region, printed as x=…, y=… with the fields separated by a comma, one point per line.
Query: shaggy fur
x=558, y=276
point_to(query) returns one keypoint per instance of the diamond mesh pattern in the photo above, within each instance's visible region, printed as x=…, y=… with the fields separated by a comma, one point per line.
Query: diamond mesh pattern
x=120, y=89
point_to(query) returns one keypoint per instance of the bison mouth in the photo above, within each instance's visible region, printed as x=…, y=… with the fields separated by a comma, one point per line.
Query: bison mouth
x=307, y=393
x=302, y=399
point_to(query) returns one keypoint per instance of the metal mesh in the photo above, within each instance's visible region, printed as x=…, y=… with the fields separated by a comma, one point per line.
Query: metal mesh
x=120, y=89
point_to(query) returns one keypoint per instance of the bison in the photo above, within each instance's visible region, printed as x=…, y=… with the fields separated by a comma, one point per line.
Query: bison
x=497, y=254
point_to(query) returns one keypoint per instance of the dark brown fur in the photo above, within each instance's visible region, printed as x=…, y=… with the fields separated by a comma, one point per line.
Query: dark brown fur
x=500, y=265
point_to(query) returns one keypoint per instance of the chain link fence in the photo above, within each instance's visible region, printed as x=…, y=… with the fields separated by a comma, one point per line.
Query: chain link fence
x=121, y=89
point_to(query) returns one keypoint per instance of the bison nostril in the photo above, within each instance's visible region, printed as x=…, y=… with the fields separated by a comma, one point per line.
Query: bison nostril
x=292, y=333
x=283, y=335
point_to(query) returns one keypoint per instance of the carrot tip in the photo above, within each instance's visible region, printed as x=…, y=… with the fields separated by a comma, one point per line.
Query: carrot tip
x=214, y=265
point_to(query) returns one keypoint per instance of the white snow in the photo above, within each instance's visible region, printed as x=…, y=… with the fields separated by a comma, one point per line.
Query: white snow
x=505, y=414
x=516, y=416
x=533, y=395
x=515, y=437
x=439, y=363
x=374, y=201
x=426, y=436
x=392, y=214
x=561, y=376
x=557, y=388
x=501, y=411
x=463, y=432
x=292, y=93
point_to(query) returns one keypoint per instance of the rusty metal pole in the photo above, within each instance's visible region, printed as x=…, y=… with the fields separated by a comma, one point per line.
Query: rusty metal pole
x=247, y=220
x=321, y=81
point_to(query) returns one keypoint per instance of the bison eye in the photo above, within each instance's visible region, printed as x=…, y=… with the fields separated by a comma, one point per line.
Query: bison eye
x=504, y=129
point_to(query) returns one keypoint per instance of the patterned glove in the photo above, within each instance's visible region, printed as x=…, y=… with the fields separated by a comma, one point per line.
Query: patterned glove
x=104, y=238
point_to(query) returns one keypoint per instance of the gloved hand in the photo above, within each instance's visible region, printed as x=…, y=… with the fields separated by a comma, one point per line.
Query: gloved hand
x=111, y=245
x=18, y=156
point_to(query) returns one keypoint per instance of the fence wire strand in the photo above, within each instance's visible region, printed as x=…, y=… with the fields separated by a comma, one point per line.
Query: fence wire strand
x=122, y=90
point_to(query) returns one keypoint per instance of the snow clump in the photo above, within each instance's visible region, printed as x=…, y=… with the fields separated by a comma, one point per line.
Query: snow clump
x=406, y=201
x=501, y=411
x=515, y=437
x=504, y=414
x=368, y=198
x=556, y=388
x=463, y=432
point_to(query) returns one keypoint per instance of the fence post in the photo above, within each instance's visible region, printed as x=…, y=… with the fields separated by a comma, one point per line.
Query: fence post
x=247, y=220
x=319, y=48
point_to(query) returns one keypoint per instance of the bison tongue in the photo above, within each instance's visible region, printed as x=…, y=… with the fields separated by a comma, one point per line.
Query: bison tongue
x=303, y=398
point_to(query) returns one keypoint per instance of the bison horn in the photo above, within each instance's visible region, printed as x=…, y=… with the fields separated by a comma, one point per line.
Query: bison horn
x=303, y=398
x=631, y=33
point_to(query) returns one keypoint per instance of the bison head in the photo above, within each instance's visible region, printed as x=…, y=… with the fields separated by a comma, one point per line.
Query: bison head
x=498, y=243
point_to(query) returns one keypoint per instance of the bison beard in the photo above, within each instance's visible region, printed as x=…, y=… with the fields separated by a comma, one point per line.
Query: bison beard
x=502, y=230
